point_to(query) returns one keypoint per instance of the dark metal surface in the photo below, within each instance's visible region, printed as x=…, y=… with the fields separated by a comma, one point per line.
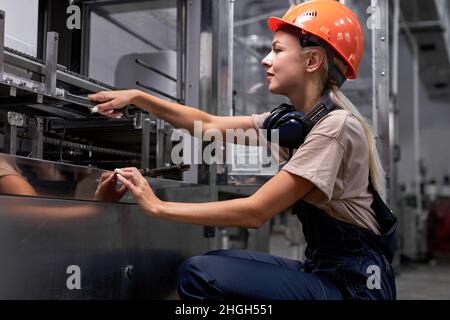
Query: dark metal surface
x=59, y=180
x=164, y=170
x=24, y=61
x=119, y=252
x=2, y=40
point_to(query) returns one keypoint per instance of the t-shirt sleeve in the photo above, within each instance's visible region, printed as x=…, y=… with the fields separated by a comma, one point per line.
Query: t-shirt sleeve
x=258, y=119
x=318, y=160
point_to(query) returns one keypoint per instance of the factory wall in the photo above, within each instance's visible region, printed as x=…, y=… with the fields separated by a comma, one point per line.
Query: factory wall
x=434, y=127
x=19, y=35
x=109, y=43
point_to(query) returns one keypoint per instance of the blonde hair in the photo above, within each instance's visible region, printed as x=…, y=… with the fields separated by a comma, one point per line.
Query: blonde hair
x=376, y=170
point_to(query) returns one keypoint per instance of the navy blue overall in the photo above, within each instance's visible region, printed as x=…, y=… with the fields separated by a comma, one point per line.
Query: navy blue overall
x=343, y=262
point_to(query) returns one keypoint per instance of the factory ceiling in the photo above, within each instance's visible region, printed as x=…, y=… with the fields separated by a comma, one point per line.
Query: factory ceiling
x=429, y=24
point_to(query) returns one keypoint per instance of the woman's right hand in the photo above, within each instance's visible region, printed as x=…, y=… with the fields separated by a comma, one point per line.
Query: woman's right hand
x=109, y=101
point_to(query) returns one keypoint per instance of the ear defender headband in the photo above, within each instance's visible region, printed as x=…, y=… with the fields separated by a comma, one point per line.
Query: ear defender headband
x=293, y=126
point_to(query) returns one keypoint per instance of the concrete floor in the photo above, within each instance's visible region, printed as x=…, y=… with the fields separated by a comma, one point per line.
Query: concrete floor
x=419, y=281
x=424, y=282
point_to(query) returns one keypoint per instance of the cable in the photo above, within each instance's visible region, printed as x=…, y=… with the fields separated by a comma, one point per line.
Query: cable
x=61, y=141
x=24, y=132
x=60, y=147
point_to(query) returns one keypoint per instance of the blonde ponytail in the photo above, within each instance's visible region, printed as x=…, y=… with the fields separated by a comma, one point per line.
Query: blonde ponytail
x=377, y=173
x=376, y=170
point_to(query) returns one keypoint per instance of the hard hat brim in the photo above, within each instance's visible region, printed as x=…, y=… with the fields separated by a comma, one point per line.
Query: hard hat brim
x=275, y=23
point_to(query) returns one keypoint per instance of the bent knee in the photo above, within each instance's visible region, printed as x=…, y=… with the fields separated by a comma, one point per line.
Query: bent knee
x=194, y=279
x=188, y=267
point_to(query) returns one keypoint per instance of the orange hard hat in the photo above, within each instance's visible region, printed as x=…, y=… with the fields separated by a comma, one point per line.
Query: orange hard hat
x=333, y=24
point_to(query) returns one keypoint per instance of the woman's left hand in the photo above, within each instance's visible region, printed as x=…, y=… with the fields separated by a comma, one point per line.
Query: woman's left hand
x=106, y=189
x=140, y=189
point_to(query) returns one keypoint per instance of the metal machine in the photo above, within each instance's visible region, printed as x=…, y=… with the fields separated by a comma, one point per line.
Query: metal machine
x=61, y=242
x=58, y=240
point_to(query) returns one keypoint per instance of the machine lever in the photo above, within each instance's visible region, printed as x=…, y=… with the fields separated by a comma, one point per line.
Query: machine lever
x=164, y=170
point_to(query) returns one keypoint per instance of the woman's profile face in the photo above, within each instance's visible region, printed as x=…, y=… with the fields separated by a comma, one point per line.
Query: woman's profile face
x=284, y=64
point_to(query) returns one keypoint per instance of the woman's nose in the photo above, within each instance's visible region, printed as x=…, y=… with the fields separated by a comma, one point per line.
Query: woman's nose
x=267, y=61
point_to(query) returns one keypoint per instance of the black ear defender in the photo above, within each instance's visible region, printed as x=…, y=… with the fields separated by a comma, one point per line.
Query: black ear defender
x=293, y=126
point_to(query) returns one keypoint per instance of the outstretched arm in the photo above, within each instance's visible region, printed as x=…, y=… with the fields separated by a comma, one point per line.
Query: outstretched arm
x=280, y=192
x=178, y=115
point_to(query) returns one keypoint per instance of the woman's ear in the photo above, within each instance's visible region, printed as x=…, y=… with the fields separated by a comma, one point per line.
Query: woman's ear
x=315, y=59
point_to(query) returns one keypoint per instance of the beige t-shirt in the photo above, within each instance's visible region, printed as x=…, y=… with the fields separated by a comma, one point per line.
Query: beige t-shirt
x=335, y=158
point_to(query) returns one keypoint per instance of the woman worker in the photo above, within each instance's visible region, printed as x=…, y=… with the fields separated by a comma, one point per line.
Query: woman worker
x=333, y=179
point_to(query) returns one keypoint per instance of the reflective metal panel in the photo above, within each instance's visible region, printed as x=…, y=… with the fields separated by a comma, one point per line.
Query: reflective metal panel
x=39, y=178
x=59, y=249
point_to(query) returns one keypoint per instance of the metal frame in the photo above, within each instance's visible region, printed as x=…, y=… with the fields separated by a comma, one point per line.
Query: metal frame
x=131, y=5
x=394, y=155
x=204, y=78
x=2, y=41
x=380, y=81
x=63, y=76
x=51, y=60
x=37, y=136
x=222, y=69
x=393, y=112
x=181, y=49
x=416, y=225
x=13, y=121
x=99, y=8
x=145, y=149
x=160, y=142
x=193, y=65
x=51, y=71
x=121, y=238
x=85, y=39
x=161, y=127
